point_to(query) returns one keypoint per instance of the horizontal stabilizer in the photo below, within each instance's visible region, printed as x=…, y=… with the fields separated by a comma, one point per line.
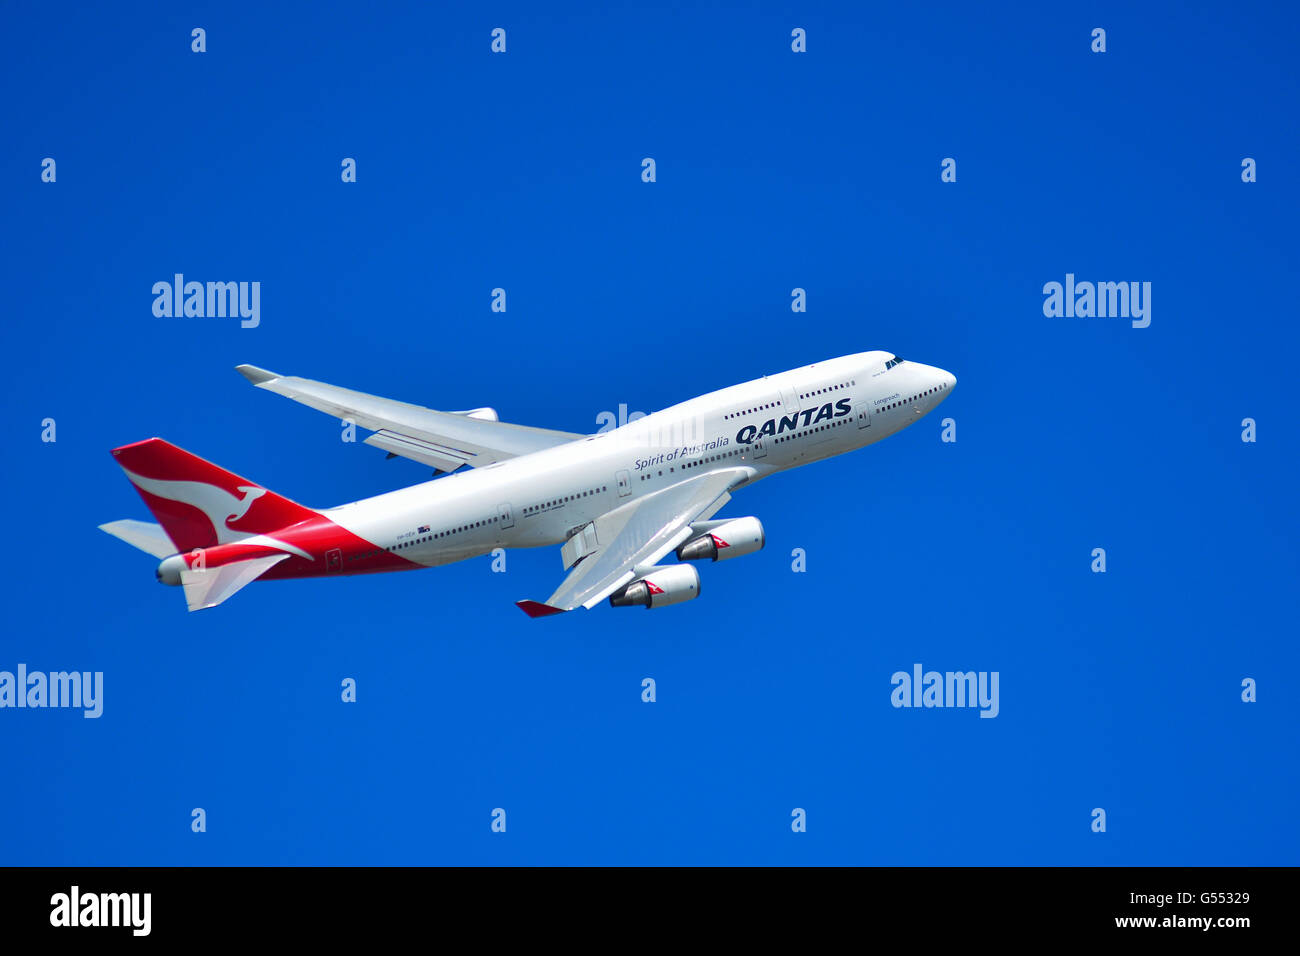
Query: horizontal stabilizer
x=210, y=586
x=145, y=535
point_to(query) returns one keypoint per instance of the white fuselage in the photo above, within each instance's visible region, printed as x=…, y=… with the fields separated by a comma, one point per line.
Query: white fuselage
x=762, y=426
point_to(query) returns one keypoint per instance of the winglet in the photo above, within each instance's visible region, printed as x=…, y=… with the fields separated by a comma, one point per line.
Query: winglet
x=538, y=609
x=254, y=374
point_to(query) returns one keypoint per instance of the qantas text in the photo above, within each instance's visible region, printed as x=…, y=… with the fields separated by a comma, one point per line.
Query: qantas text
x=775, y=426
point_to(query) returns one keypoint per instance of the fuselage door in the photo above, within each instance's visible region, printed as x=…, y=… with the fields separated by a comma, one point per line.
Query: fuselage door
x=789, y=401
x=624, y=483
x=863, y=412
x=507, y=516
x=334, y=560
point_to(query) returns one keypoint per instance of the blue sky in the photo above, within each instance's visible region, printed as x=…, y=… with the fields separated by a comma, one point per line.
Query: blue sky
x=775, y=170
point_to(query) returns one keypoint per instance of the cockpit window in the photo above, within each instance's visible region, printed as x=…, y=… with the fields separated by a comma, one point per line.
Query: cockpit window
x=892, y=362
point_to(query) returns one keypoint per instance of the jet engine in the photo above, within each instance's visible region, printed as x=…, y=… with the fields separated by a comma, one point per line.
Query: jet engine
x=659, y=587
x=719, y=540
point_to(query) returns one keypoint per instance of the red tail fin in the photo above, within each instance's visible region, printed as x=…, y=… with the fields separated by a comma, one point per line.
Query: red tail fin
x=199, y=504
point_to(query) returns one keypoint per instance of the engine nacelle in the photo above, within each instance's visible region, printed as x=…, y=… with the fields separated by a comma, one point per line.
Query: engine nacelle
x=659, y=587
x=720, y=540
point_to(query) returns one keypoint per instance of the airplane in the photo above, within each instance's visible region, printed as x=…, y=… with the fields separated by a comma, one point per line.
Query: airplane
x=618, y=502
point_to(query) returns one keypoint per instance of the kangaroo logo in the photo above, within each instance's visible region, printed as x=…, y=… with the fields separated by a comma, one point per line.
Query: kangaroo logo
x=251, y=494
x=219, y=505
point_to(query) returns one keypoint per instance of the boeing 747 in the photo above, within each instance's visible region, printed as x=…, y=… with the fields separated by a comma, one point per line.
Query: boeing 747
x=632, y=508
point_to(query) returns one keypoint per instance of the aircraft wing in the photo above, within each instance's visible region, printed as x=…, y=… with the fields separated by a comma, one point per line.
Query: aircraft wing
x=635, y=536
x=444, y=440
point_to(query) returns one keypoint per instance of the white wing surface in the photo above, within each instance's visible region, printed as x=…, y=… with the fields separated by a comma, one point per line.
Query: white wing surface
x=443, y=440
x=635, y=536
